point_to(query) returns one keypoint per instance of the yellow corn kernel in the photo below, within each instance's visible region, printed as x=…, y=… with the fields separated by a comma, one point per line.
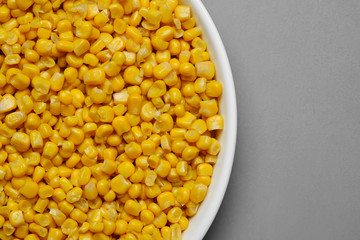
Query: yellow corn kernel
x=73, y=160
x=82, y=204
x=70, y=74
x=78, y=215
x=65, y=46
x=32, y=237
x=204, y=169
x=92, y=10
x=65, y=207
x=135, y=190
x=78, y=98
x=132, y=75
x=120, y=26
x=16, y=218
x=214, y=148
x=30, y=189
x=41, y=205
x=76, y=136
x=85, y=174
x=50, y=150
x=161, y=70
x=58, y=216
x=83, y=29
x=101, y=19
x=198, y=193
x=116, y=11
x=132, y=207
x=146, y=216
x=74, y=195
x=121, y=227
x=67, y=36
x=166, y=200
x=208, y=108
x=182, y=168
x=119, y=184
x=189, y=153
x=73, y=60
x=65, y=184
x=81, y=46
x=126, y=169
x=97, y=46
x=109, y=228
x=55, y=234
x=45, y=191
x=43, y=47
x=157, y=89
x=166, y=33
x=36, y=140
x=213, y=89
x=133, y=150
x=183, y=195
x=110, y=196
x=4, y=13
x=192, y=136
x=90, y=59
x=7, y=103
x=187, y=70
x=39, y=230
x=182, y=12
x=205, y=69
x=121, y=124
x=20, y=81
x=192, y=33
x=21, y=141
x=38, y=174
x=206, y=180
x=160, y=220
x=68, y=226
x=188, y=24
x=114, y=140
x=135, y=225
x=102, y=187
x=15, y=119
x=42, y=219
x=215, y=122
x=94, y=76
x=174, y=214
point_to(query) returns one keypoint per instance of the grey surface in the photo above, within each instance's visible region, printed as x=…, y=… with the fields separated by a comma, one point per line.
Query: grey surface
x=296, y=65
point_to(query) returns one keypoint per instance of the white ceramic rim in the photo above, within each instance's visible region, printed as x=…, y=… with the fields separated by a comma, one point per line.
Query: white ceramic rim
x=200, y=223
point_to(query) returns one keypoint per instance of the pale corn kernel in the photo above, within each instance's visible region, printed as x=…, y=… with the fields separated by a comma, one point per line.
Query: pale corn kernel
x=7, y=103
x=205, y=69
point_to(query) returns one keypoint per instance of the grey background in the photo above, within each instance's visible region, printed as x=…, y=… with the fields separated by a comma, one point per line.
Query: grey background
x=296, y=66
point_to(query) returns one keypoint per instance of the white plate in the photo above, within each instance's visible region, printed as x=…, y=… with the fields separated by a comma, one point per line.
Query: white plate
x=201, y=222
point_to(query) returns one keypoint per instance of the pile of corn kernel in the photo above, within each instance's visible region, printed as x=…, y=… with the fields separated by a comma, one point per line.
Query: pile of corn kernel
x=109, y=115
